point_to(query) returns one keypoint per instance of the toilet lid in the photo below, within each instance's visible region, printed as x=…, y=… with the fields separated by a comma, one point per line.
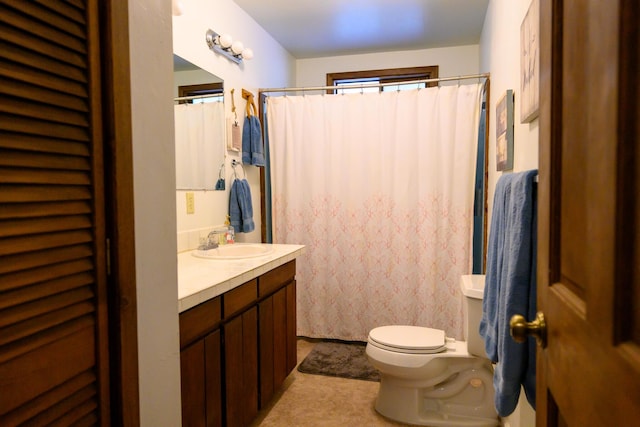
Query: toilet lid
x=408, y=339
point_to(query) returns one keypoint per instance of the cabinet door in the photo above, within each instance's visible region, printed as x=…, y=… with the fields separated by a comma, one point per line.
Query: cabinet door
x=279, y=337
x=292, y=328
x=278, y=353
x=265, y=310
x=250, y=362
x=192, y=379
x=213, y=379
x=241, y=368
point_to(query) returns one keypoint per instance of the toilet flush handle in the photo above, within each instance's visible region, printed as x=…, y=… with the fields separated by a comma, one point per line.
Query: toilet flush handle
x=520, y=329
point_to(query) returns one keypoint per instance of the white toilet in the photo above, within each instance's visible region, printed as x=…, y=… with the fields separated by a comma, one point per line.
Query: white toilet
x=428, y=379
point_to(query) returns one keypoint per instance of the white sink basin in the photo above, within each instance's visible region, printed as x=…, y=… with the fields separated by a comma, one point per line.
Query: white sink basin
x=234, y=251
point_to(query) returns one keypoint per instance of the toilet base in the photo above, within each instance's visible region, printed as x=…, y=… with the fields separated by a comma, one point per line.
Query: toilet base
x=458, y=401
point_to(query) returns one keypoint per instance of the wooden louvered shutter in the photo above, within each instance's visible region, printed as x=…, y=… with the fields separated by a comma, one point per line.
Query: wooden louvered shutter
x=53, y=312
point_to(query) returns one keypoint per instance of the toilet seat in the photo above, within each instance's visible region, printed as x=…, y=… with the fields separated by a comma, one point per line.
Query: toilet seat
x=408, y=339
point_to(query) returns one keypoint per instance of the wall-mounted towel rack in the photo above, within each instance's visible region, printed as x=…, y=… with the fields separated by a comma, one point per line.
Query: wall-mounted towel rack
x=235, y=163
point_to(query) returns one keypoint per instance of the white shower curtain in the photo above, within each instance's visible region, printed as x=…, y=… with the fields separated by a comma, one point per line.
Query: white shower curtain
x=199, y=134
x=379, y=186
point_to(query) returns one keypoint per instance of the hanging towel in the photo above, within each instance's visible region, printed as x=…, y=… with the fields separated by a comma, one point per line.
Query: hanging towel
x=510, y=288
x=257, y=146
x=220, y=184
x=235, y=213
x=252, y=146
x=241, y=207
x=247, y=208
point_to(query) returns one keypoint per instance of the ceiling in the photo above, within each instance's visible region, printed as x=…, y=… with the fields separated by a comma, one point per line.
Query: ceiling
x=316, y=28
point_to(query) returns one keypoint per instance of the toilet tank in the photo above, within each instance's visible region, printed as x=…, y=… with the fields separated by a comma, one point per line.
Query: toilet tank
x=473, y=290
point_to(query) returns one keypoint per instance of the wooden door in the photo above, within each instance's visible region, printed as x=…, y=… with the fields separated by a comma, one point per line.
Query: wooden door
x=213, y=383
x=589, y=201
x=266, y=333
x=193, y=384
x=292, y=331
x=241, y=368
x=55, y=362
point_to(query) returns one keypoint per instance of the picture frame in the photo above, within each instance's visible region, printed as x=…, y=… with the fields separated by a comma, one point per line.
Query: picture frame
x=530, y=63
x=504, y=132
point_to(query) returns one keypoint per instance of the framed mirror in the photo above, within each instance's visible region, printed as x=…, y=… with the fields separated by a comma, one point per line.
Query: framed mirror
x=199, y=115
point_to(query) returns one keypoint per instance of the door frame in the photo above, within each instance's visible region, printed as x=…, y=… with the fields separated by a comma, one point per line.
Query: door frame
x=118, y=171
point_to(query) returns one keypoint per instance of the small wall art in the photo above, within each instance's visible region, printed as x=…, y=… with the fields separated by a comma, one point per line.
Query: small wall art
x=504, y=132
x=530, y=63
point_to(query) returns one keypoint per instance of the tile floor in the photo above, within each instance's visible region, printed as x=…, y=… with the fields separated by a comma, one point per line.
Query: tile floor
x=316, y=400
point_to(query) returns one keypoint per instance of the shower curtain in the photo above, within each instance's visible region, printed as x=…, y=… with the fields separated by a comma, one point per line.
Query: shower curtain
x=379, y=186
x=199, y=134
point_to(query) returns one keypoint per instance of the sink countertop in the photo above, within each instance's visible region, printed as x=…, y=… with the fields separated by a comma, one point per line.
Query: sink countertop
x=201, y=279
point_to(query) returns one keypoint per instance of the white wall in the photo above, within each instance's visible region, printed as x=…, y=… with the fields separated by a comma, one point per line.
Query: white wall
x=156, y=222
x=160, y=210
x=154, y=205
x=500, y=55
x=271, y=66
x=453, y=61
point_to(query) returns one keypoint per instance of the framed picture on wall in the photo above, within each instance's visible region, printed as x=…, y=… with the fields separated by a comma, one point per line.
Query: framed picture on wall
x=504, y=132
x=530, y=63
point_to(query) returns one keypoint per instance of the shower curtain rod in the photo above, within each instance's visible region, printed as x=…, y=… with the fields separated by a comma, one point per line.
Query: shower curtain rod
x=366, y=85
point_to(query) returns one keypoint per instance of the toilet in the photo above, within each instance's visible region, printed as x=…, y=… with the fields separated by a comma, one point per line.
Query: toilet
x=429, y=379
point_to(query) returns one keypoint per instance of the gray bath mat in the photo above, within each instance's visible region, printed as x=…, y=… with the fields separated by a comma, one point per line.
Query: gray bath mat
x=339, y=359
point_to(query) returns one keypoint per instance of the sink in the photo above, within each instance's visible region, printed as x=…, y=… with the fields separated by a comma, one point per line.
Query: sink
x=234, y=251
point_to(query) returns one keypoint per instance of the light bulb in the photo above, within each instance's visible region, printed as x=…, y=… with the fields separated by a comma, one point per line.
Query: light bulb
x=177, y=8
x=247, y=53
x=225, y=41
x=237, y=47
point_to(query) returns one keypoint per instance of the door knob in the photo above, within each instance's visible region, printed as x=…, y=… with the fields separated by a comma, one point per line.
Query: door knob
x=520, y=328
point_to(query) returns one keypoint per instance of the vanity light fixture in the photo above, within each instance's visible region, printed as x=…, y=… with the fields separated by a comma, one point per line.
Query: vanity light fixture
x=177, y=7
x=224, y=45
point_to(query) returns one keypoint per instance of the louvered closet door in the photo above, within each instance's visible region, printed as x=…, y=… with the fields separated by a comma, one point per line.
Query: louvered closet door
x=53, y=318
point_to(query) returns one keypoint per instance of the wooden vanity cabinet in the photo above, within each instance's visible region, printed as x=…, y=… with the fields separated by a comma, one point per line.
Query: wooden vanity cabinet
x=240, y=331
x=277, y=321
x=201, y=364
x=237, y=349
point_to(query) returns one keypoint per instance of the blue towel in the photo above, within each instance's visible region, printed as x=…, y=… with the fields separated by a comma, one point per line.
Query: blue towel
x=241, y=207
x=247, y=208
x=252, y=146
x=235, y=214
x=257, y=146
x=510, y=288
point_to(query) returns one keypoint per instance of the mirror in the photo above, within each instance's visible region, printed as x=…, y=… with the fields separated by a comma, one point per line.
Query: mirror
x=200, y=127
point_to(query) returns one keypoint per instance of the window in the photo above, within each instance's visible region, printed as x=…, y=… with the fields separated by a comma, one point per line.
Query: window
x=394, y=75
x=210, y=92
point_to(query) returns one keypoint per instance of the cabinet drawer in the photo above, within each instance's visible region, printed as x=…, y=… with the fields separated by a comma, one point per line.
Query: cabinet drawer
x=199, y=320
x=240, y=297
x=276, y=278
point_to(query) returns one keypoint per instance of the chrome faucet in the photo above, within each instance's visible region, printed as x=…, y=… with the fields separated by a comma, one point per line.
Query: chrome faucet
x=212, y=241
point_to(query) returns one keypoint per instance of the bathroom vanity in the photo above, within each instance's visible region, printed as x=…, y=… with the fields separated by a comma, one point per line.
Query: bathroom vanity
x=237, y=334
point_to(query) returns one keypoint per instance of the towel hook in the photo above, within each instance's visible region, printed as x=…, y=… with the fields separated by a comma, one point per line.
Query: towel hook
x=233, y=105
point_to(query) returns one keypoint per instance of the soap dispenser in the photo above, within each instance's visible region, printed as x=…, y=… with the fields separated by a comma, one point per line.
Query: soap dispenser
x=230, y=235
